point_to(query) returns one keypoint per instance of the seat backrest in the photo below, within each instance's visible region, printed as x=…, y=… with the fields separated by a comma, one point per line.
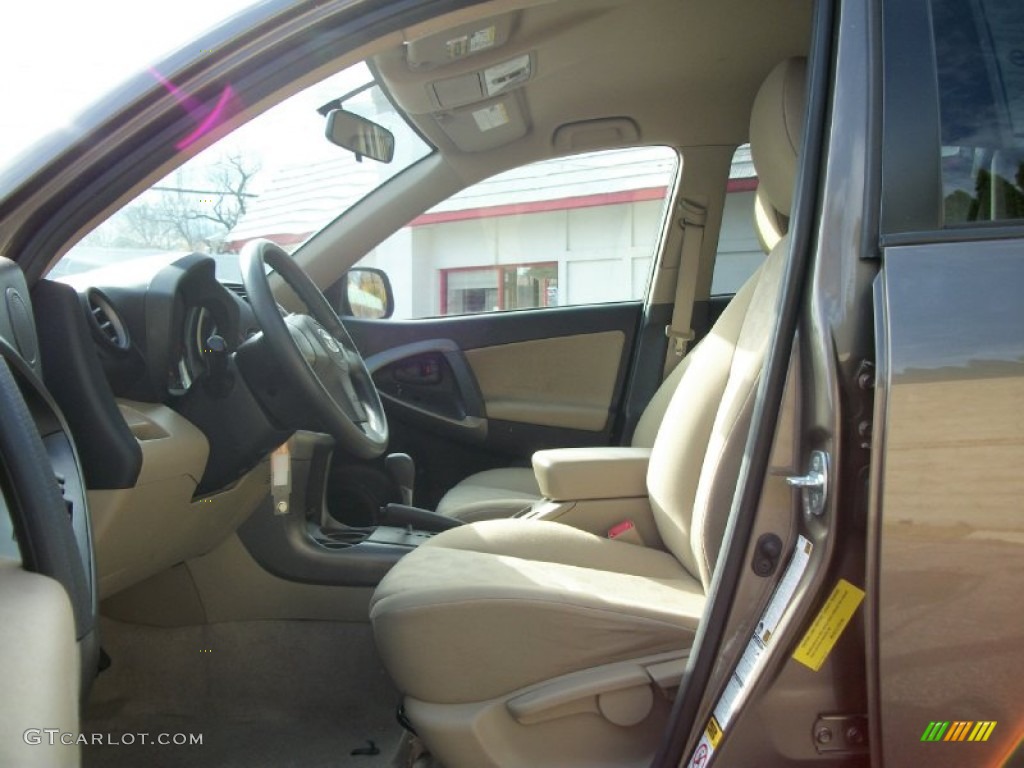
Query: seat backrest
x=696, y=455
x=770, y=226
x=654, y=414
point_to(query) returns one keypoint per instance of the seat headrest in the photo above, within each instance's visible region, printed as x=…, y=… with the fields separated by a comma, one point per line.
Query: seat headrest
x=776, y=127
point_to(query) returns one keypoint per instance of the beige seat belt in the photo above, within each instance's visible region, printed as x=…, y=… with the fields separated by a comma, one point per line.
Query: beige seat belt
x=693, y=216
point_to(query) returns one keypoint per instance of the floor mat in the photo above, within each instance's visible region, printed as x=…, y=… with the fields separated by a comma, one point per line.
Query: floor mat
x=261, y=694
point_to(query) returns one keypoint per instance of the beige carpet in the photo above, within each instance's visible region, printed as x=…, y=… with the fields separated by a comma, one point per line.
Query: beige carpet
x=262, y=694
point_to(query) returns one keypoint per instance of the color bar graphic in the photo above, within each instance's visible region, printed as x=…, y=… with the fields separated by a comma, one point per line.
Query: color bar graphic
x=982, y=730
x=958, y=730
x=934, y=731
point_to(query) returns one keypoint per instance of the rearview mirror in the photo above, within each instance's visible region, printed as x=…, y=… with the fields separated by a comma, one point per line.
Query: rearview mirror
x=357, y=134
x=366, y=293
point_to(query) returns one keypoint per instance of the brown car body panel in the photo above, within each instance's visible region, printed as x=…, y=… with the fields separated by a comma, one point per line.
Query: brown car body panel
x=951, y=559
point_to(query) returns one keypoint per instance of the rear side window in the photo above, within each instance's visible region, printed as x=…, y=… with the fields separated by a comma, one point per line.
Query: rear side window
x=979, y=52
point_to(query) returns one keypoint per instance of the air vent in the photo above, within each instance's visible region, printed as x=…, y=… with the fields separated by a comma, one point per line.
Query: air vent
x=107, y=322
x=238, y=289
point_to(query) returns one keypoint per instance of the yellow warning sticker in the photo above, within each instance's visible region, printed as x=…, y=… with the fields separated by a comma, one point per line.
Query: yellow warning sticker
x=828, y=625
x=713, y=732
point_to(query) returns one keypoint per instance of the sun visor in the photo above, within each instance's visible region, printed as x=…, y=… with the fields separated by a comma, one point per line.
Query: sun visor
x=459, y=42
x=485, y=125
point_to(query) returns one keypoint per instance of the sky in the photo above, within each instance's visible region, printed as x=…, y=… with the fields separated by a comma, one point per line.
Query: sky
x=59, y=56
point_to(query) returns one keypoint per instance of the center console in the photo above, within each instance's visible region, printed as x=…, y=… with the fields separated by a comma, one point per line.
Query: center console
x=598, y=490
x=294, y=536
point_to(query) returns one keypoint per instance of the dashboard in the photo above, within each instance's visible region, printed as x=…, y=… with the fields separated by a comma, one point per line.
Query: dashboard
x=164, y=339
x=172, y=442
x=200, y=326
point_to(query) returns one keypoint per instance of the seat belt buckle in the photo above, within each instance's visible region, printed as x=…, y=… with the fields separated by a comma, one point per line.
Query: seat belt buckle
x=625, y=531
x=680, y=338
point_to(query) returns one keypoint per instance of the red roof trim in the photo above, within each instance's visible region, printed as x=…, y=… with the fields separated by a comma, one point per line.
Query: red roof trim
x=540, y=206
x=564, y=204
x=742, y=185
x=513, y=209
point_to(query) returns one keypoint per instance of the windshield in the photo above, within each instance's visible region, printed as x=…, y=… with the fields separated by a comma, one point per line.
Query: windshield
x=58, y=58
x=277, y=177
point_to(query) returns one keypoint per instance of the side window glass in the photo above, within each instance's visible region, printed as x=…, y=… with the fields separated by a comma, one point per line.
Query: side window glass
x=574, y=230
x=979, y=51
x=739, y=251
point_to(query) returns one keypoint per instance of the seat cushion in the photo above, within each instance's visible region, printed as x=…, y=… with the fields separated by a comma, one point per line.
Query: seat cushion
x=491, y=494
x=484, y=610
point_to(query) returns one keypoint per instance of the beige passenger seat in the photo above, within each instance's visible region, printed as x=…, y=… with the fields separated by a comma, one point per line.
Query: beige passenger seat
x=528, y=642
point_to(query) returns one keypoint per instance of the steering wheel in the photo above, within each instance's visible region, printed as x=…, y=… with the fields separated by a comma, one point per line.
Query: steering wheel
x=315, y=353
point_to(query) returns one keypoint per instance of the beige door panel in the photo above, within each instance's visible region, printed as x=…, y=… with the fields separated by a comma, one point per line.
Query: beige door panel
x=39, y=666
x=566, y=381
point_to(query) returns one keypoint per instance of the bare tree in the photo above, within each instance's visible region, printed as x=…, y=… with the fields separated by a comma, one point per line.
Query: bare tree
x=183, y=213
x=233, y=175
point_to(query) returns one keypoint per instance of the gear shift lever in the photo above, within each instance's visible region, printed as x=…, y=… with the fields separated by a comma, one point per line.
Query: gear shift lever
x=402, y=469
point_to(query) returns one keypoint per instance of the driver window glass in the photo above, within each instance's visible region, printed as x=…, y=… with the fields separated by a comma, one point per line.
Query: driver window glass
x=979, y=52
x=574, y=230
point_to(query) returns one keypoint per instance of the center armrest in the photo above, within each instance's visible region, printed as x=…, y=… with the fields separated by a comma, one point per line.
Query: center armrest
x=567, y=474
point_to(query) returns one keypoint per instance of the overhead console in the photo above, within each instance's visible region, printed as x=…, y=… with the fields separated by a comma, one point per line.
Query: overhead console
x=478, y=106
x=470, y=82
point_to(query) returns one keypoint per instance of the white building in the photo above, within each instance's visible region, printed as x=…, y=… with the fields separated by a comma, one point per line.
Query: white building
x=573, y=230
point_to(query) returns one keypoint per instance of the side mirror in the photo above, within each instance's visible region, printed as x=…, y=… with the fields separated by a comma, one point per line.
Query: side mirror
x=357, y=134
x=366, y=292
